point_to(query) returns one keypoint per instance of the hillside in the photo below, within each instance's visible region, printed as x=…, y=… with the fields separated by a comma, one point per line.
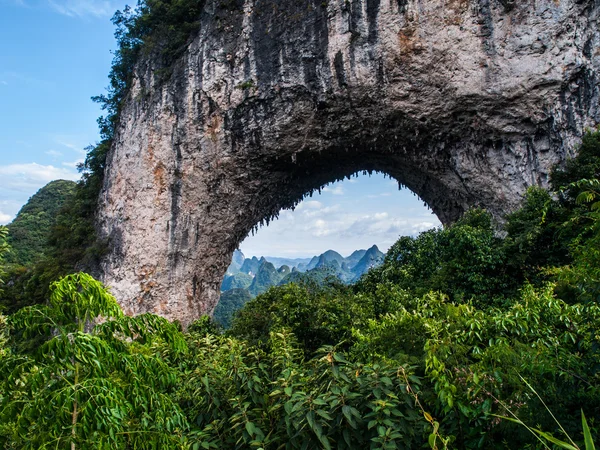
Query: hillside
x=29, y=231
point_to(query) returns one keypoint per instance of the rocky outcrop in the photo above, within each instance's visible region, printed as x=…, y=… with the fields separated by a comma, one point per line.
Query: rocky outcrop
x=465, y=102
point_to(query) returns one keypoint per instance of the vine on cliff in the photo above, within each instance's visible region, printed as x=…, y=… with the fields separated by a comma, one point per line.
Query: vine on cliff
x=159, y=29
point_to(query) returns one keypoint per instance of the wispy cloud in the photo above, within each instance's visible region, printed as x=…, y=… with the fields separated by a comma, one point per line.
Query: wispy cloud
x=383, y=194
x=23, y=78
x=74, y=8
x=54, y=153
x=84, y=8
x=309, y=204
x=73, y=164
x=68, y=142
x=335, y=189
x=5, y=83
x=27, y=178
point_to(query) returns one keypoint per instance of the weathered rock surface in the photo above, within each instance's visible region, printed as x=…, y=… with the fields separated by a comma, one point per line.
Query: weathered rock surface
x=466, y=102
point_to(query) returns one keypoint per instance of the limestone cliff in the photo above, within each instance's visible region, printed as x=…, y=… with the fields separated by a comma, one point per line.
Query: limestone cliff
x=466, y=102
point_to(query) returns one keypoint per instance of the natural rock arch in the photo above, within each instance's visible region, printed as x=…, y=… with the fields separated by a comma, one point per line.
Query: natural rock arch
x=466, y=102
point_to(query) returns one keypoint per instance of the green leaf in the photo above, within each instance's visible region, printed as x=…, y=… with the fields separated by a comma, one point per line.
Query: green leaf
x=587, y=435
x=431, y=440
x=324, y=414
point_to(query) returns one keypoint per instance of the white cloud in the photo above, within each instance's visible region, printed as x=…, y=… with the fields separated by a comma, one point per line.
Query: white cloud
x=54, y=153
x=335, y=190
x=5, y=218
x=29, y=177
x=383, y=194
x=322, y=228
x=5, y=83
x=67, y=141
x=309, y=204
x=423, y=226
x=322, y=212
x=83, y=8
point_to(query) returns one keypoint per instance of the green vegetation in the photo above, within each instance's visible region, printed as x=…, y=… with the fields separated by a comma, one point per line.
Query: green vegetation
x=431, y=349
x=4, y=249
x=30, y=230
x=230, y=301
x=107, y=387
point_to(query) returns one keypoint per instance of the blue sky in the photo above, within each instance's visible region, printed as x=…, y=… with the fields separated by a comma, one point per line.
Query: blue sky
x=55, y=55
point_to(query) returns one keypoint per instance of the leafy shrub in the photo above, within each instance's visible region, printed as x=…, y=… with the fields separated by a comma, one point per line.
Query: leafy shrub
x=107, y=388
x=240, y=397
x=466, y=260
x=317, y=315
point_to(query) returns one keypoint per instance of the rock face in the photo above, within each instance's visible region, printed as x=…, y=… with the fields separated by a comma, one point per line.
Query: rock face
x=465, y=102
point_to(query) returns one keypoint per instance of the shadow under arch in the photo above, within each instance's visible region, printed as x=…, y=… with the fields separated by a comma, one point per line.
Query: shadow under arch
x=195, y=222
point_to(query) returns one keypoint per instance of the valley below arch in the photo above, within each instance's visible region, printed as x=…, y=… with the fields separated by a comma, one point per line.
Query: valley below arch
x=466, y=104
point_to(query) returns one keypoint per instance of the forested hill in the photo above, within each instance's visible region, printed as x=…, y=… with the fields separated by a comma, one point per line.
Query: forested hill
x=30, y=230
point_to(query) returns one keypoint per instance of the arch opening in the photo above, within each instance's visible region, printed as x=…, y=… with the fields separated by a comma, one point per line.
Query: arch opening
x=338, y=231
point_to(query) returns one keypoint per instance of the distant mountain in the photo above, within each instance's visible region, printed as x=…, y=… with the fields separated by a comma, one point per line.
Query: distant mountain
x=266, y=276
x=317, y=275
x=236, y=262
x=372, y=258
x=355, y=257
x=312, y=263
x=251, y=266
x=253, y=276
x=284, y=270
x=291, y=262
x=29, y=232
x=236, y=281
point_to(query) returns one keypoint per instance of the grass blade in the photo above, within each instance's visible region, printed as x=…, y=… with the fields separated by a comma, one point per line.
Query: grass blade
x=587, y=435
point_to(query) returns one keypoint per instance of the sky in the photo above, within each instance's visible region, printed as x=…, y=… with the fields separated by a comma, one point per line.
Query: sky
x=56, y=54
x=348, y=215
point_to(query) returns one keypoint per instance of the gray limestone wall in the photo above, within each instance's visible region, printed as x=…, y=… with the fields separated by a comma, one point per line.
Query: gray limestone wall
x=465, y=102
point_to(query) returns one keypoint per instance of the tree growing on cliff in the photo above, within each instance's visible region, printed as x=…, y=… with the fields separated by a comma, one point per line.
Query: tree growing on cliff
x=4, y=248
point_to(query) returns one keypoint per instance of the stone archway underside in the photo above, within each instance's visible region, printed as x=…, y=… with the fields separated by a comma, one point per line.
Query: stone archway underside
x=466, y=102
